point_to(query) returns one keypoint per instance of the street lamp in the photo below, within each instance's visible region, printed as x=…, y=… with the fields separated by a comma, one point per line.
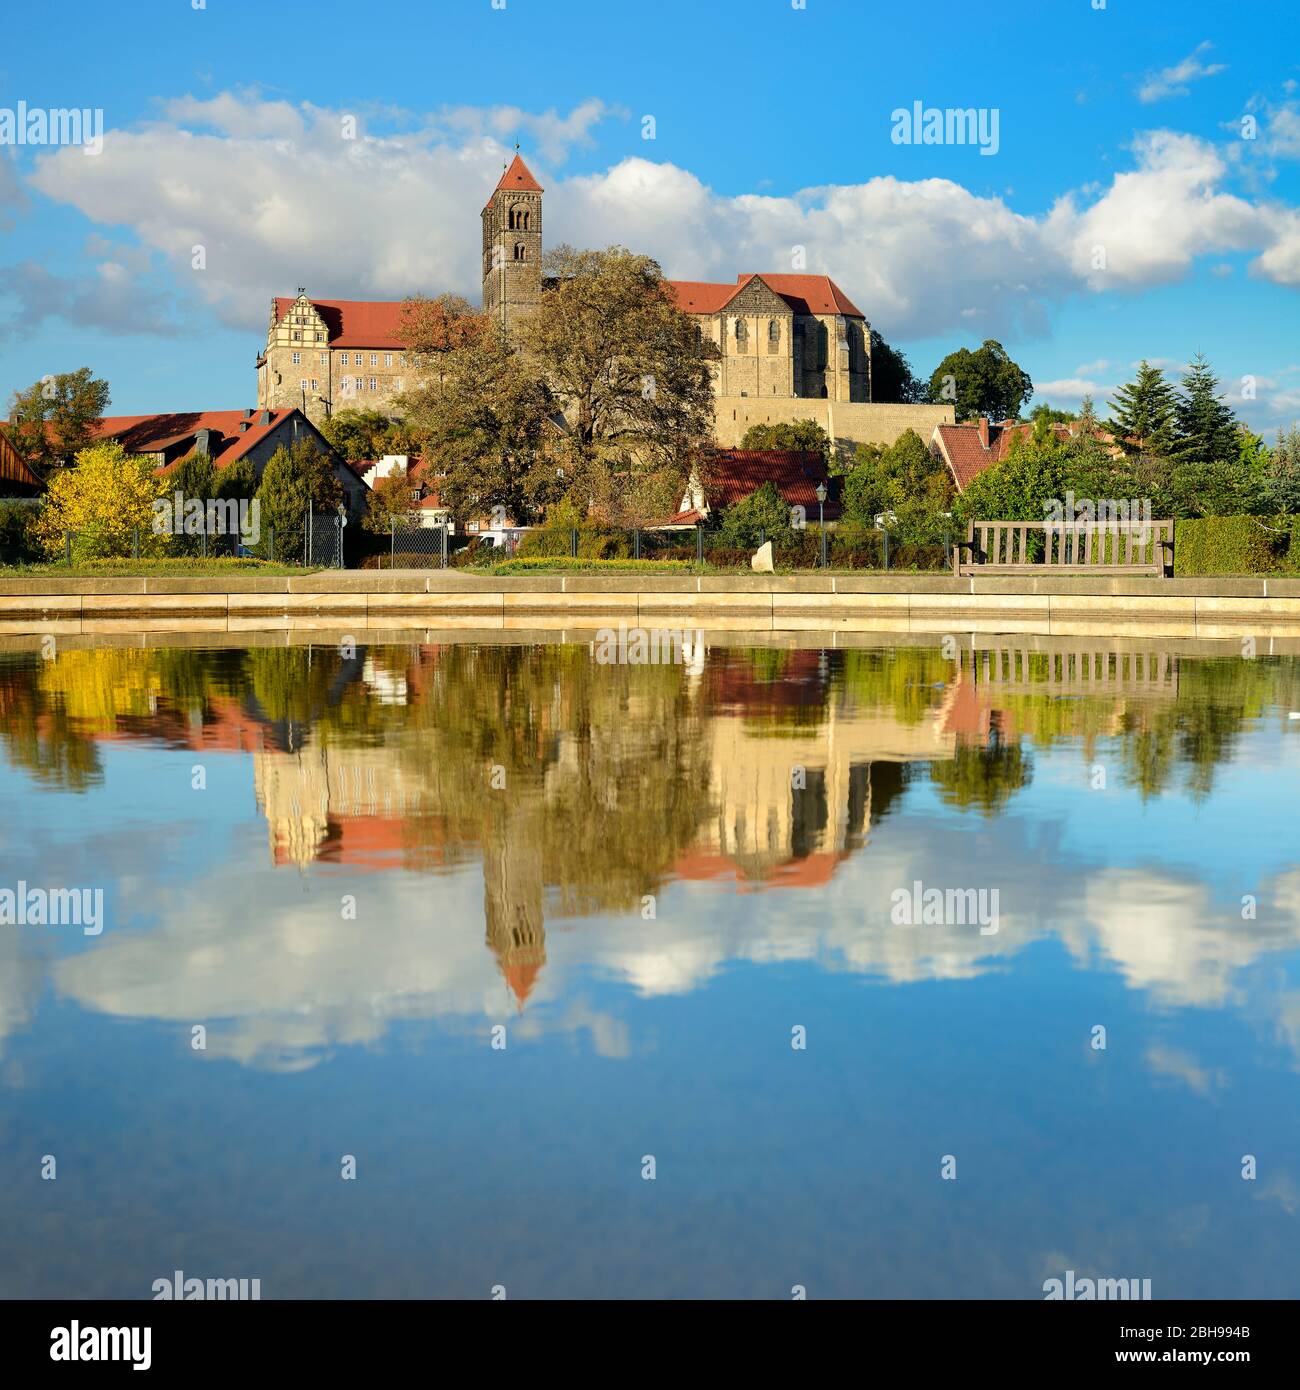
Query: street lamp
x=821, y=518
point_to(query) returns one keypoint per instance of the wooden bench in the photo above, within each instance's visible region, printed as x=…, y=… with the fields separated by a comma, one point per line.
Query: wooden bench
x=1067, y=547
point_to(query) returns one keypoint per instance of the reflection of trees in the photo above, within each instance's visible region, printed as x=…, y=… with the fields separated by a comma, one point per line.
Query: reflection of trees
x=1217, y=700
x=599, y=763
x=39, y=737
x=982, y=778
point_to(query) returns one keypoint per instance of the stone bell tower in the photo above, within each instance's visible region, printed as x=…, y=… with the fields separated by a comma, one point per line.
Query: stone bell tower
x=512, y=247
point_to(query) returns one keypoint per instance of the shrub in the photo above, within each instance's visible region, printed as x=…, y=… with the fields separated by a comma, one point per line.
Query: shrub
x=1225, y=545
x=18, y=541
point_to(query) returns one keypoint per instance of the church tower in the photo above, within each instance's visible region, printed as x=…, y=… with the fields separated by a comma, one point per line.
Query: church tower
x=512, y=246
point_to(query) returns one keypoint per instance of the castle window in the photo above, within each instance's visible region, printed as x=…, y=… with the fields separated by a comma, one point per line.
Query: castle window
x=521, y=251
x=324, y=359
x=741, y=333
x=320, y=337
x=297, y=358
x=773, y=335
x=297, y=335
x=372, y=383
x=388, y=359
x=374, y=359
x=313, y=383
x=303, y=384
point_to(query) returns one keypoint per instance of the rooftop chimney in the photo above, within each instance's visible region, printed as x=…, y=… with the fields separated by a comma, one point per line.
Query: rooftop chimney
x=984, y=430
x=265, y=419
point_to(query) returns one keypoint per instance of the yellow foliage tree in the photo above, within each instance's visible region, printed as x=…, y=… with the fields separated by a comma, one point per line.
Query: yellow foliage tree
x=102, y=499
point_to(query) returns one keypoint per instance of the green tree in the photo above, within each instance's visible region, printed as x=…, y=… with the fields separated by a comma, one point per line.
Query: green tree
x=1053, y=416
x=389, y=502
x=892, y=379
x=1142, y=413
x=483, y=414
x=283, y=496
x=983, y=382
x=797, y=434
x=195, y=479
x=905, y=480
x=237, y=480
x=1282, y=473
x=1207, y=430
x=55, y=418
x=1035, y=472
x=363, y=434
x=763, y=515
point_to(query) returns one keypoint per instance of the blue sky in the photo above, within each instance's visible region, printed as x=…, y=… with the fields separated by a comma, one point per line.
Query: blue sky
x=1119, y=129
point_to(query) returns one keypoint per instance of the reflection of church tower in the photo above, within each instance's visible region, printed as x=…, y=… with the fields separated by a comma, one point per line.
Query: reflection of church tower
x=512, y=904
x=512, y=247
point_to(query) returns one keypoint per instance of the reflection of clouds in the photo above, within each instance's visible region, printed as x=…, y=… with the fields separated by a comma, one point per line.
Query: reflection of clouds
x=1182, y=1066
x=279, y=986
x=21, y=980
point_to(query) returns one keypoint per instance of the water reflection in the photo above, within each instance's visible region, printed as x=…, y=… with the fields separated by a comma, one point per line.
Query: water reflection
x=659, y=869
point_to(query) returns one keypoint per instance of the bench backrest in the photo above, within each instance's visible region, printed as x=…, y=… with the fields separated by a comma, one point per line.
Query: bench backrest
x=1069, y=544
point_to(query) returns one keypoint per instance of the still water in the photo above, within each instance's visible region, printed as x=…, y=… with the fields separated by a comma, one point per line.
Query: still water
x=679, y=894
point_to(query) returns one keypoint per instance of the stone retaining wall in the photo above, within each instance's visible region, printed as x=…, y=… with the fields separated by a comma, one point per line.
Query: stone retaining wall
x=1066, y=605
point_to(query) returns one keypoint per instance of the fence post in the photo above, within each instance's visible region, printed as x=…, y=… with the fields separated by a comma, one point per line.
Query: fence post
x=270, y=540
x=67, y=548
x=699, y=545
x=573, y=542
x=135, y=542
x=822, y=528
x=885, y=533
x=392, y=542
x=947, y=550
x=636, y=543
x=203, y=543
x=443, y=529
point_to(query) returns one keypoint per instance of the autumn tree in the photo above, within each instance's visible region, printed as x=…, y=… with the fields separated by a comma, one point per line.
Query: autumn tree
x=106, y=499
x=55, y=418
x=482, y=416
x=627, y=367
x=389, y=502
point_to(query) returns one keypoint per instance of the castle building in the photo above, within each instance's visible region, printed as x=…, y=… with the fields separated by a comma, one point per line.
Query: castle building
x=782, y=341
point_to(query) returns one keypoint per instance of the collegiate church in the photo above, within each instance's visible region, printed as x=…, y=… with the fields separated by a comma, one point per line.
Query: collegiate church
x=784, y=342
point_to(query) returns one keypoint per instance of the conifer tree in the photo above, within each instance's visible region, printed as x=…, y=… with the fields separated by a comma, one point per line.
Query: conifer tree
x=1142, y=413
x=1207, y=429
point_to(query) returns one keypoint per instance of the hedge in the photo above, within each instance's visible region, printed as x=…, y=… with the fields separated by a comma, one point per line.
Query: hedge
x=1228, y=545
x=18, y=545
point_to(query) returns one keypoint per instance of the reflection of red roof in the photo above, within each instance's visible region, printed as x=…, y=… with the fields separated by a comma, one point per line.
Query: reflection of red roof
x=521, y=976
x=735, y=687
x=812, y=871
x=805, y=294
x=364, y=323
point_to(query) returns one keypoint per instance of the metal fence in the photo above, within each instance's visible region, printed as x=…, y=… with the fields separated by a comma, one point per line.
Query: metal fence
x=813, y=547
x=322, y=541
x=411, y=546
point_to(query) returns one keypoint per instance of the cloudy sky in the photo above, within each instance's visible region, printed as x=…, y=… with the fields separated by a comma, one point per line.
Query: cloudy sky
x=1143, y=199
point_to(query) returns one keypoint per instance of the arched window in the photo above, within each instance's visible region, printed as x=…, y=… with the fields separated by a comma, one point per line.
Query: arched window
x=741, y=333
x=521, y=251
x=773, y=335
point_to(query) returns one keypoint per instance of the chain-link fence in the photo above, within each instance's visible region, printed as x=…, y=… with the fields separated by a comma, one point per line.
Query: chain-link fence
x=322, y=542
x=412, y=546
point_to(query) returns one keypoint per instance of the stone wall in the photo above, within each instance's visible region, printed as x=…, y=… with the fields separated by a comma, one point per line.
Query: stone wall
x=849, y=423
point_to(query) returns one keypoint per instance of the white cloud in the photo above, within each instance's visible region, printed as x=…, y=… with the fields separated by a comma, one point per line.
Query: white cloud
x=278, y=198
x=1174, y=81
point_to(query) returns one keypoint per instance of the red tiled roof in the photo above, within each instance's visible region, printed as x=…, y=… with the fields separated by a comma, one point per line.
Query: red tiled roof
x=963, y=452
x=151, y=434
x=805, y=294
x=730, y=475
x=519, y=177
x=14, y=469
x=364, y=323
x=812, y=294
